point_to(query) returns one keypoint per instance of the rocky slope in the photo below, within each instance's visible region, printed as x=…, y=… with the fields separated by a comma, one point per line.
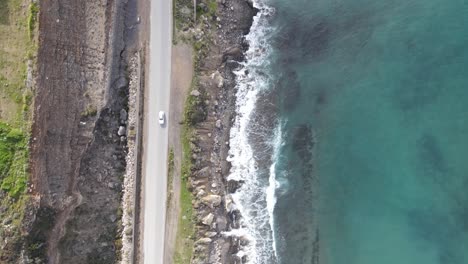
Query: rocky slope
x=78, y=135
x=220, y=38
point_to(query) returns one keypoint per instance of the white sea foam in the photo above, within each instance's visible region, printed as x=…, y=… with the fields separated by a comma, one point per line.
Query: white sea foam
x=255, y=199
x=273, y=185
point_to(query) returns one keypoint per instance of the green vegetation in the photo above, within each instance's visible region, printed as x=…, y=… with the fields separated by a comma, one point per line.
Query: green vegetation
x=32, y=18
x=89, y=111
x=13, y=160
x=170, y=177
x=212, y=7
x=194, y=112
x=18, y=23
x=186, y=225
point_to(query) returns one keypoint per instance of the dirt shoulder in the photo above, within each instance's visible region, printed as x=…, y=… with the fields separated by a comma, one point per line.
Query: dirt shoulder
x=181, y=79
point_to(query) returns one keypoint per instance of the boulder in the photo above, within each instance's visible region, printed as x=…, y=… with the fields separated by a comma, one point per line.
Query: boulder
x=123, y=116
x=233, y=53
x=121, y=131
x=112, y=218
x=210, y=234
x=195, y=93
x=212, y=200
x=229, y=203
x=208, y=220
x=205, y=240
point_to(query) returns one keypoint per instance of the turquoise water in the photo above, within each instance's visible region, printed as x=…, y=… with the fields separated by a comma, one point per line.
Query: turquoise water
x=374, y=104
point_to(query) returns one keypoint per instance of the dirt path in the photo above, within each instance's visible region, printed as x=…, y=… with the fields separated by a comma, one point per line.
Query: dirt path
x=181, y=79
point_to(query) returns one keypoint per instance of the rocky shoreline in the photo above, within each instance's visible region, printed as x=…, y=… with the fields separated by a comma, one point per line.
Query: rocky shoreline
x=214, y=93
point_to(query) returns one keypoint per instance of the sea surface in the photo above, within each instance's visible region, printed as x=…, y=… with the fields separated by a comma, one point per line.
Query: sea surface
x=352, y=133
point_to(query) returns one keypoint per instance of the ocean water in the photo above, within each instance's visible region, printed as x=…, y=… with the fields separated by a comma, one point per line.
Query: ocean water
x=352, y=133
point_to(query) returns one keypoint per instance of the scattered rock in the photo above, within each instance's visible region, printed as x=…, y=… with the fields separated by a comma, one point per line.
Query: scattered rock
x=218, y=123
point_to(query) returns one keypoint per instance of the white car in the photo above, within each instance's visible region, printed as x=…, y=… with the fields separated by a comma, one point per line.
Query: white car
x=162, y=117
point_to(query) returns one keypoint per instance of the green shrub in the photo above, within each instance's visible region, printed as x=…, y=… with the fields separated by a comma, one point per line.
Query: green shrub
x=32, y=18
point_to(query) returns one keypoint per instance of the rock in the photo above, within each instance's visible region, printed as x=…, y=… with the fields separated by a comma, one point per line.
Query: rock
x=123, y=116
x=210, y=234
x=218, y=79
x=203, y=7
x=212, y=200
x=205, y=240
x=112, y=218
x=218, y=123
x=8, y=221
x=229, y=205
x=110, y=185
x=122, y=83
x=232, y=185
x=121, y=131
x=185, y=11
x=195, y=93
x=233, y=53
x=208, y=220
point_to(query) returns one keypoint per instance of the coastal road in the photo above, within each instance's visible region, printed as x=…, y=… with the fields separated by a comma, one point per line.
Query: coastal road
x=156, y=136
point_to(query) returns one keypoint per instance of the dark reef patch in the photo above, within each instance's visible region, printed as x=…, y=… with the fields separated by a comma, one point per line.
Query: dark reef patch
x=289, y=89
x=431, y=155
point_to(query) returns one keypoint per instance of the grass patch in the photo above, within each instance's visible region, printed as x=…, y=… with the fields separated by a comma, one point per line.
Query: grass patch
x=182, y=13
x=212, y=7
x=186, y=224
x=18, y=22
x=170, y=178
x=16, y=48
x=13, y=160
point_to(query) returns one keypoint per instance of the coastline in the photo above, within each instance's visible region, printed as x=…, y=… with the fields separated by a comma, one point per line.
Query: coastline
x=221, y=41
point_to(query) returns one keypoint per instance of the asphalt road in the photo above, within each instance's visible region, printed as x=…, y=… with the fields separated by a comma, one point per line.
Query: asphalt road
x=156, y=138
